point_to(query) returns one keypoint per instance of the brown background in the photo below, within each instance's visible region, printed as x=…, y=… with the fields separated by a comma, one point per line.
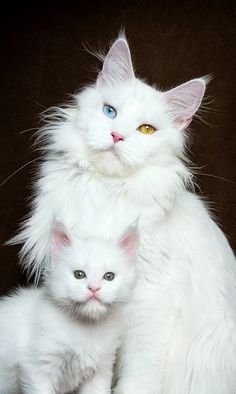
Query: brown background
x=43, y=60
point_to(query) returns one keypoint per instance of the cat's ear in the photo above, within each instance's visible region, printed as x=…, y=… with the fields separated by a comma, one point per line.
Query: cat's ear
x=60, y=238
x=117, y=65
x=129, y=241
x=184, y=101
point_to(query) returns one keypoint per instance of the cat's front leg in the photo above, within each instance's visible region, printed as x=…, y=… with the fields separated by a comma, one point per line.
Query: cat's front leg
x=145, y=346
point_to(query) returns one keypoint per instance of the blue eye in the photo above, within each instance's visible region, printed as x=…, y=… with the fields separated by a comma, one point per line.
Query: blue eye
x=109, y=111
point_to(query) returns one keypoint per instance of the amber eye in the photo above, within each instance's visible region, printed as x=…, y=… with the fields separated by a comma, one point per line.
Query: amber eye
x=146, y=129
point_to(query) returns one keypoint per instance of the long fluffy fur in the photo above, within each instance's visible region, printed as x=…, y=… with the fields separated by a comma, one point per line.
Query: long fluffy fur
x=181, y=334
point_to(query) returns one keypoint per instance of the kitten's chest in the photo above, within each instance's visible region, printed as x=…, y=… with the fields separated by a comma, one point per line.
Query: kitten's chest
x=79, y=352
x=77, y=366
x=73, y=370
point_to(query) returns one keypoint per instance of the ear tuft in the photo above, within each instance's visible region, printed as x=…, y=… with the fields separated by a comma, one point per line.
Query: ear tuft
x=117, y=66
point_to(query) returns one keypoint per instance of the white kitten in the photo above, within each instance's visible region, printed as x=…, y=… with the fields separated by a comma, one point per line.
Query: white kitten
x=63, y=336
x=117, y=154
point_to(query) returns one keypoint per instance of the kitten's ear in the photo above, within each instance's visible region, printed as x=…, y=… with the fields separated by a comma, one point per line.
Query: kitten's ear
x=129, y=241
x=59, y=237
x=117, y=66
x=184, y=101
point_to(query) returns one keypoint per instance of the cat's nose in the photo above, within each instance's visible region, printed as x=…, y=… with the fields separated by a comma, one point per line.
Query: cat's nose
x=94, y=289
x=117, y=137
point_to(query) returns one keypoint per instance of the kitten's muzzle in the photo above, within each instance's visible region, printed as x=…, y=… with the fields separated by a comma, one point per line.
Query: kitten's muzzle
x=93, y=293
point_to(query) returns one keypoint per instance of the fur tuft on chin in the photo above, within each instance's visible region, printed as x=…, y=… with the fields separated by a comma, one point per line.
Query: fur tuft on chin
x=89, y=311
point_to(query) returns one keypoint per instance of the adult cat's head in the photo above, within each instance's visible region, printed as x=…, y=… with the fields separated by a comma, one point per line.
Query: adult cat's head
x=121, y=124
x=88, y=277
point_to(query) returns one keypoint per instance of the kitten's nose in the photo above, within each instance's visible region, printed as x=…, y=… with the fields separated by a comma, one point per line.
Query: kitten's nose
x=117, y=137
x=93, y=289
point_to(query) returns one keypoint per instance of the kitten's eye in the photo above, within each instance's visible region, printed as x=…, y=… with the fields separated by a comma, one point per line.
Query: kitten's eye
x=109, y=111
x=146, y=129
x=109, y=276
x=79, y=274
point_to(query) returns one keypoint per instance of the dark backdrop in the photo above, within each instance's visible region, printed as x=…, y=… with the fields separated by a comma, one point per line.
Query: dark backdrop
x=43, y=60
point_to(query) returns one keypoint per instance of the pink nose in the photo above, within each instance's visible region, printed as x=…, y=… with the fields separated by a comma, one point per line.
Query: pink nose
x=93, y=290
x=117, y=137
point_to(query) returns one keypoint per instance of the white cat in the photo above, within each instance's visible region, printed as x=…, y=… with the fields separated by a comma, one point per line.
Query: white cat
x=64, y=335
x=116, y=154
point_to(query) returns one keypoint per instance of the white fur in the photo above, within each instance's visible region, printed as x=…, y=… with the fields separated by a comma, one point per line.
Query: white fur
x=181, y=326
x=57, y=338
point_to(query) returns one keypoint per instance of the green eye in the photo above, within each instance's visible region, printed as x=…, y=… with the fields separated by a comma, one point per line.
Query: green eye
x=109, y=276
x=79, y=274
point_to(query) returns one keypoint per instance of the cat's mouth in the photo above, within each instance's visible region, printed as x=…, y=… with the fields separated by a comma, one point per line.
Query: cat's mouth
x=111, y=152
x=91, y=303
x=112, y=148
x=111, y=161
x=94, y=299
x=114, y=152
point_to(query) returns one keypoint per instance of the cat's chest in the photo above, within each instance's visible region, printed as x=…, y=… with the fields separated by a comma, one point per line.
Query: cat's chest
x=90, y=207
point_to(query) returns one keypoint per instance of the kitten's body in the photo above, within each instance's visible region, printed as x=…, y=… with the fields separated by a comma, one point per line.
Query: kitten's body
x=62, y=353
x=60, y=337
x=182, y=321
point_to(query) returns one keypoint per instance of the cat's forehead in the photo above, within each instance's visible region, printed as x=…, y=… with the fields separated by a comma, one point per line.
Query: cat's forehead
x=133, y=100
x=91, y=252
x=135, y=93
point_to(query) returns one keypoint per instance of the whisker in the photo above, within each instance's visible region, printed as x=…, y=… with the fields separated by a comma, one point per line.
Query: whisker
x=19, y=169
x=217, y=177
x=25, y=131
x=36, y=102
x=195, y=168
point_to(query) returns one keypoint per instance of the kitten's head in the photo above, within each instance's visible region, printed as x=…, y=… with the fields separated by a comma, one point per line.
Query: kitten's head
x=127, y=124
x=90, y=276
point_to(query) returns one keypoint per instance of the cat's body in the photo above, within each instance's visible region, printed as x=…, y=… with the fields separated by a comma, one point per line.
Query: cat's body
x=181, y=334
x=63, y=336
